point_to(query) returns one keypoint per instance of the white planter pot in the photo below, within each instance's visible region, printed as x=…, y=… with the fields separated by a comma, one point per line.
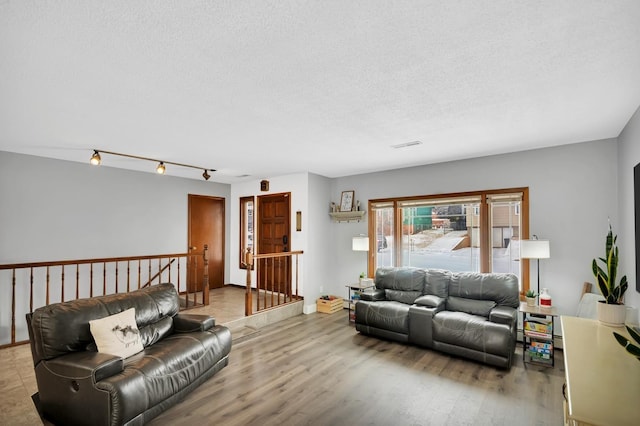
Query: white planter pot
x=612, y=315
x=531, y=301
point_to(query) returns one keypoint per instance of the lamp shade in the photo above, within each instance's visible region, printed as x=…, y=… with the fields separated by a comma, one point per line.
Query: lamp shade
x=360, y=243
x=534, y=249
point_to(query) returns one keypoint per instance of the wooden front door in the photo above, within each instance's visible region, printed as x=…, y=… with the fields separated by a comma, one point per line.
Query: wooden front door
x=206, y=226
x=274, y=213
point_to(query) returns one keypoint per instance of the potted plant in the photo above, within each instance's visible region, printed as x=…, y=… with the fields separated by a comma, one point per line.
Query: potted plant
x=611, y=311
x=530, y=295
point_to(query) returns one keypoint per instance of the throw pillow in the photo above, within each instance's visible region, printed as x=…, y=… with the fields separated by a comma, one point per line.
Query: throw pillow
x=117, y=334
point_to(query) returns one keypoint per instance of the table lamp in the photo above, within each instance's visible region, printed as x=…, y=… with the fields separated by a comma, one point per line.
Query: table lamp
x=535, y=249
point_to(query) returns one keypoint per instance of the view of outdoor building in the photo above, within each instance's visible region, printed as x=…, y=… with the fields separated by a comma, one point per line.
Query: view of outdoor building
x=446, y=233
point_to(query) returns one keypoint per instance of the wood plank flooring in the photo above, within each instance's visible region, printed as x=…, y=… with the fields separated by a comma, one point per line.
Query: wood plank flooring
x=317, y=370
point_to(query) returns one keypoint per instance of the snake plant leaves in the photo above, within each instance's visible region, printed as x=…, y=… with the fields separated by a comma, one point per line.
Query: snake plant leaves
x=627, y=344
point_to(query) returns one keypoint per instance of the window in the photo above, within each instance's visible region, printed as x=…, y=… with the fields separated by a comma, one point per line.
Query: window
x=384, y=231
x=246, y=228
x=478, y=231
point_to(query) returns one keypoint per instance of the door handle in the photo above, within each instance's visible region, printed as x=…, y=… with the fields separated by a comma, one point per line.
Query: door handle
x=193, y=248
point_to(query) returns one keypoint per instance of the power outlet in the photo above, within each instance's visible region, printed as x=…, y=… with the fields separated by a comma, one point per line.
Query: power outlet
x=321, y=289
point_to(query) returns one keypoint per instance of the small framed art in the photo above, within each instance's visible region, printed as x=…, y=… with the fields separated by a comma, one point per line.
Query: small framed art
x=346, y=201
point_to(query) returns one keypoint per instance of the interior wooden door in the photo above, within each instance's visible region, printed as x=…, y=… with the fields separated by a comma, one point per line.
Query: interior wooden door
x=206, y=226
x=274, y=215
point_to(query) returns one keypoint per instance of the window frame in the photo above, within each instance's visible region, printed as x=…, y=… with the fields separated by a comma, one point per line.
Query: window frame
x=485, y=231
x=247, y=226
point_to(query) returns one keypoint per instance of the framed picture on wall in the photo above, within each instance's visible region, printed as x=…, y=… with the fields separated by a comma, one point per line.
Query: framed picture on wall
x=346, y=201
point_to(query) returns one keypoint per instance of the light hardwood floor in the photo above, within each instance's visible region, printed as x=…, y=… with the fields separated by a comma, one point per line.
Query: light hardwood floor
x=317, y=370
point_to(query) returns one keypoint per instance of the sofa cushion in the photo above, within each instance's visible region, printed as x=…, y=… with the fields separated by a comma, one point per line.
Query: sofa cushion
x=470, y=306
x=64, y=327
x=386, y=315
x=430, y=301
x=151, y=303
x=437, y=282
x=501, y=288
x=403, y=279
x=473, y=332
x=151, y=333
x=407, y=297
x=117, y=334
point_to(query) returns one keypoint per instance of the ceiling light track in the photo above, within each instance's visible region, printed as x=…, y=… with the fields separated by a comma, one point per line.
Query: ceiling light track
x=161, y=168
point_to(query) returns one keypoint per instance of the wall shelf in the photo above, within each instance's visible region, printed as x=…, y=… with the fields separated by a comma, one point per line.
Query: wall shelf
x=349, y=216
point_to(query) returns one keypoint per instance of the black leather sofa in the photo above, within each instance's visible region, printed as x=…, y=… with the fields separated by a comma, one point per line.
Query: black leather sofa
x=79, y=386
x=472, y=315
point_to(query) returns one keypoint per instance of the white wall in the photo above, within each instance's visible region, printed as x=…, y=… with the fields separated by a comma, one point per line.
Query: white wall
x=54, y=210
x=572, y=192
x=628, y=158
x=319, y=276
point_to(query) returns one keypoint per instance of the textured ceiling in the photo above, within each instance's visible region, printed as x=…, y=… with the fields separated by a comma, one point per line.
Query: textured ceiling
x=265, y=88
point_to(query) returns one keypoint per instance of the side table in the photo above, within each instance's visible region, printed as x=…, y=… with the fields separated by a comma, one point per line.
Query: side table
x=537, y=334
x=354, y=291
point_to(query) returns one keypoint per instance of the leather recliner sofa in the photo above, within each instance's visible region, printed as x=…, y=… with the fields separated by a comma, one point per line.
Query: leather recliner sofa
x=79, y=386
x=467, y=314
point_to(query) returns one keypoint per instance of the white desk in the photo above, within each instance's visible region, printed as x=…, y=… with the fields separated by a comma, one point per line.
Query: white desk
x=603, y=380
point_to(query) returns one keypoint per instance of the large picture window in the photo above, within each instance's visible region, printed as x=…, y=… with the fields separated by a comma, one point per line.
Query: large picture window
x=476, y=232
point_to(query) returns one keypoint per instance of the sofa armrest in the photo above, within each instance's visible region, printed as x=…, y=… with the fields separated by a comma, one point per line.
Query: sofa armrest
x=504, y=315
x=187, y=323
x=373, y=296
x=431, y=301
x=421, y=324
x=81, y=365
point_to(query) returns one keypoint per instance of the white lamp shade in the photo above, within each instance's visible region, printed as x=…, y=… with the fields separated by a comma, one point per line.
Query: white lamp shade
x=360, y=244
x=534, y=249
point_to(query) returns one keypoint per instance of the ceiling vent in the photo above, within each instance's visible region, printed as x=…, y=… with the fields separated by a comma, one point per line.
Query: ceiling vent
x=406, y=144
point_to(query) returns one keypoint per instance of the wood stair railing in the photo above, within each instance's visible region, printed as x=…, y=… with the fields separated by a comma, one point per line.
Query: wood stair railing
x=159, y=273
x=27, y=286
x=277, y=281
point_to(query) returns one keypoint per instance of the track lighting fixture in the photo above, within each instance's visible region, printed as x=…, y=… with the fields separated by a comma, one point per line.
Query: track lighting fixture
x=161, y=168
x=95, y=158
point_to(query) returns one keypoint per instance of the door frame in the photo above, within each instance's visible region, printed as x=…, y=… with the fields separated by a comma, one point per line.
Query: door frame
x=257, y=237
x=221, y=247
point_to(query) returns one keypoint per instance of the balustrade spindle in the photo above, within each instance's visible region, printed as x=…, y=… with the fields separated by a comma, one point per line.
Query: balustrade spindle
x=47, y=299
x=13, y=306
x=31, y=289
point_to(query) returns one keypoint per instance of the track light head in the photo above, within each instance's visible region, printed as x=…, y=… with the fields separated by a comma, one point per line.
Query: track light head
x=161, y=168
x=206, y=175
x=95, y=158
